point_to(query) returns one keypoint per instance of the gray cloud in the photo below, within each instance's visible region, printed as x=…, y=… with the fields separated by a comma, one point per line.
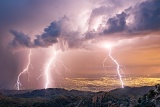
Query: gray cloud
x=109, y=8
x=47, y=38
x=50, y=35
x=20, y=39
x=147, y=16
x=144, y=18
x=116, y=24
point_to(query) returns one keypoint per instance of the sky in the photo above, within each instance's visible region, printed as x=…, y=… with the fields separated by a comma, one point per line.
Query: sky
x=77, y=30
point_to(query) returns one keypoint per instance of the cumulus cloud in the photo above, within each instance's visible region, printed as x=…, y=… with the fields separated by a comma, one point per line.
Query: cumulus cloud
x=57, y=31
x=20, y=39
x=50, y=35
x=47, y=38
x=145, y=16
x=108, y=9
x=116, y=24
x=142, y=17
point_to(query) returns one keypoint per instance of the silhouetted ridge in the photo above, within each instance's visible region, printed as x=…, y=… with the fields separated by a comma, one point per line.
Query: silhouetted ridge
x=55, y=97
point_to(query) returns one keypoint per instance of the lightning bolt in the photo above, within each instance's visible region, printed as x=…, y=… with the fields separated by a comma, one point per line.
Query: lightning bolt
x=48, y=68
x=52, y=62
x=115, y=61
x=118, y=68
x=18, y=84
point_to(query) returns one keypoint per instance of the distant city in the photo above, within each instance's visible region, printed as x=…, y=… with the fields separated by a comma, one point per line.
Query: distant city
x=107, y=83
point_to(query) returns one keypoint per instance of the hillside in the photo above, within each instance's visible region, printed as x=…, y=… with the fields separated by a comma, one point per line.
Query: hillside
x=72, y=98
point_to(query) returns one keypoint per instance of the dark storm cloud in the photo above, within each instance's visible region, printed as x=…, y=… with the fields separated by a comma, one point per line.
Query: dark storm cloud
x=47, y=38
x=147, y=16
x=116, y=24
x=20, y=39
x=50, y=35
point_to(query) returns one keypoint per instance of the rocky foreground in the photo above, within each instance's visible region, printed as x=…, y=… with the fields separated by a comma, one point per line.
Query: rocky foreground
x=127, y=97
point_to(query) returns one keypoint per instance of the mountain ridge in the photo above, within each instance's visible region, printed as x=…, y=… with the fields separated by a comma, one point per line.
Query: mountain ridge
x=57, y=97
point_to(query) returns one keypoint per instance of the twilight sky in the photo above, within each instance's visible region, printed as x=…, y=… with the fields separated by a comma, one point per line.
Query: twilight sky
x=78, y=30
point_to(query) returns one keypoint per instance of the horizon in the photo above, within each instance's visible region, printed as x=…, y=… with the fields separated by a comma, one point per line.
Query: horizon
x=90, y=84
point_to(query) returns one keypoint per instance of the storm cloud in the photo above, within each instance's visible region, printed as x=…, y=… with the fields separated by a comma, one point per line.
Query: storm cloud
x=47, y=38
x=147, y=16
x=116, y=24
x=142, y=17
x=20, y=39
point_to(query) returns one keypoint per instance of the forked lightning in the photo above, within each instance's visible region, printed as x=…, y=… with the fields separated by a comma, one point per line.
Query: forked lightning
x=18, y=84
